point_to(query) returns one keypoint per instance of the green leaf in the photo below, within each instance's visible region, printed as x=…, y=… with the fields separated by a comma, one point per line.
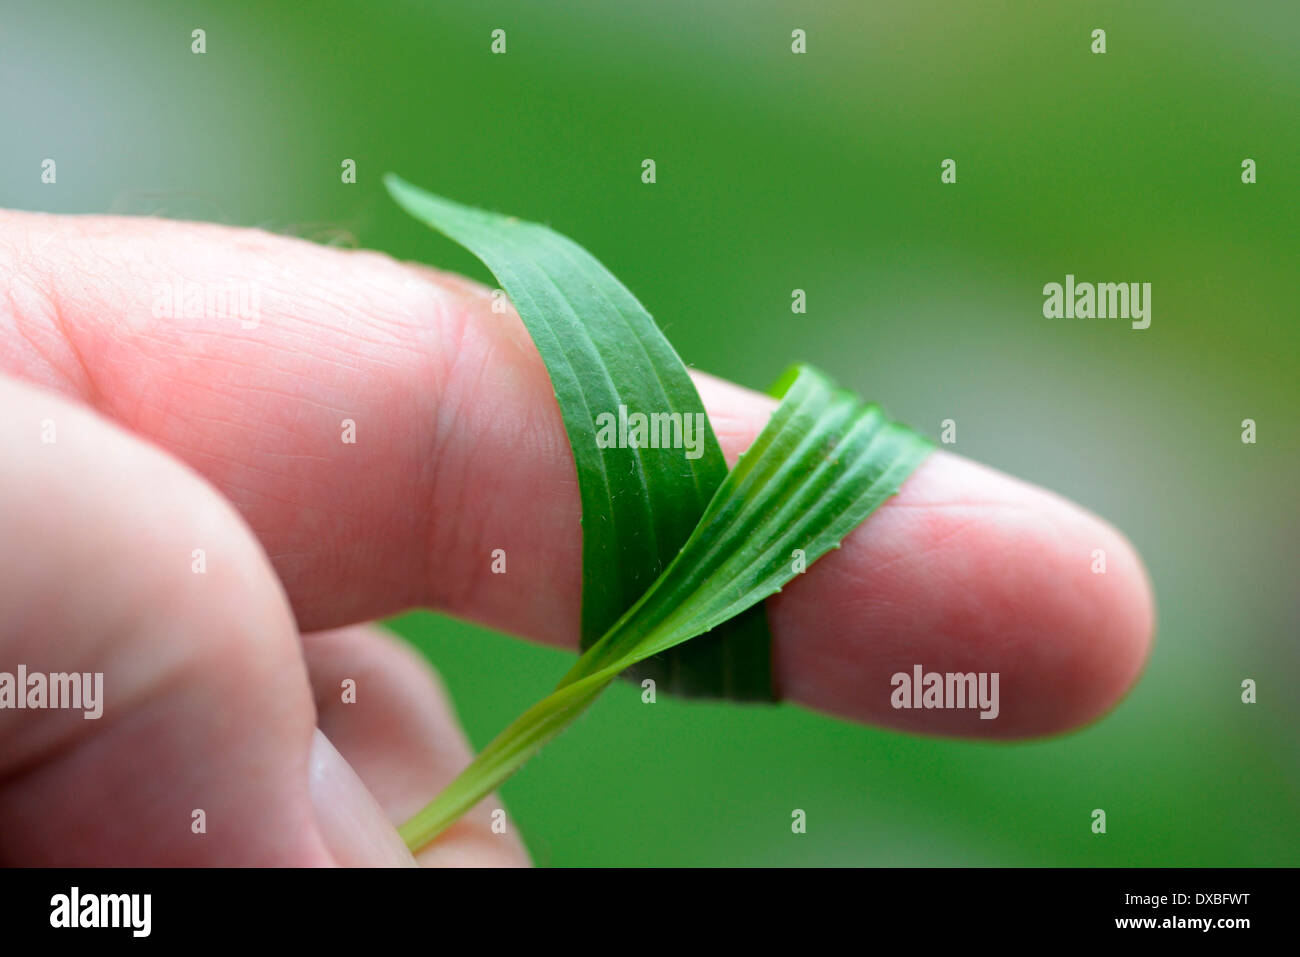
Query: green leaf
x=639, y=505
x=821, y=465
x=674, y=548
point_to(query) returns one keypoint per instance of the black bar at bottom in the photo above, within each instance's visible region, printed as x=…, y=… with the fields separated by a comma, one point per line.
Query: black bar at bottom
x=436, y=908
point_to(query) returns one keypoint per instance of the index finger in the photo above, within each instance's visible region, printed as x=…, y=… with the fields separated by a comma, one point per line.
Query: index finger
x=383, y=431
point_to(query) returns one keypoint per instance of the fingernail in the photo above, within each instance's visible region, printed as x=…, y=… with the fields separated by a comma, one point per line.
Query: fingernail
x=354, y=826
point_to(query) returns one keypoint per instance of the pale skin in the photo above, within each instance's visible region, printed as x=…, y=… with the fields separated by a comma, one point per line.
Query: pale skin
x=222, y=689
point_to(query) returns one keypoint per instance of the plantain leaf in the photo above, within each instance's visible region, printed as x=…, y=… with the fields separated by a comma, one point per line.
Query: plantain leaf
x=604, y=355
x=678, y=555
x=821, y=465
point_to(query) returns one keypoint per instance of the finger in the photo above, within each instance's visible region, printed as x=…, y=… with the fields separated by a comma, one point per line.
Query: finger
x=460, y=451
x=118, y=562
x=351, y=820
x=385, y=710
x=966, y=571
x=199, y=747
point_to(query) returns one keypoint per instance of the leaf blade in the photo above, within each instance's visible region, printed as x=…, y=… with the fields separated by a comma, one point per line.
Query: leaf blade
x=604, y=353
x=824, y=462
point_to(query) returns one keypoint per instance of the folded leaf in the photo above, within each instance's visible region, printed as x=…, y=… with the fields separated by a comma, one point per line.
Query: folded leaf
x=604, y=355
x=821, y=465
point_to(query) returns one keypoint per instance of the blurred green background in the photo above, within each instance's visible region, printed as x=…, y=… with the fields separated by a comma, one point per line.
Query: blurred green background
x=821, y=172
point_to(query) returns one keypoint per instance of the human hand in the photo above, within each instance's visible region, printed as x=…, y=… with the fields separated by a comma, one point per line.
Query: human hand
x=221, y=689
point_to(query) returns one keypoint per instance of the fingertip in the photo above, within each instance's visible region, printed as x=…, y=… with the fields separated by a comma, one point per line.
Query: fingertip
x=966, y=571
x=397, y=733
x=352, y=823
